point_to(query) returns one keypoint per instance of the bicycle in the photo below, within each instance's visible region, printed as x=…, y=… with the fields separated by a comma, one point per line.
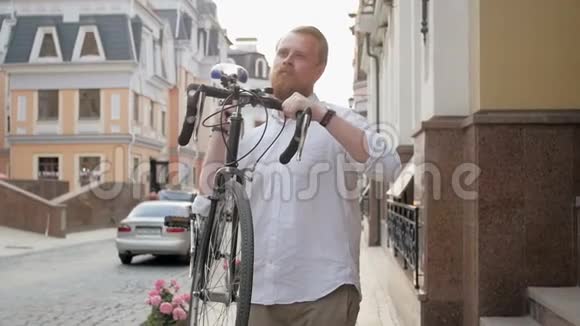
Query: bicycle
x=226, y=240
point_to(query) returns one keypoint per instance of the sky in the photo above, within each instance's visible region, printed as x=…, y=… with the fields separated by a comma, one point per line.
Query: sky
x=268, y=20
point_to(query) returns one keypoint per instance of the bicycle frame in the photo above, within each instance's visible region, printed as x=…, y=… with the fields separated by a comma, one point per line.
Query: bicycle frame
x=229, y=170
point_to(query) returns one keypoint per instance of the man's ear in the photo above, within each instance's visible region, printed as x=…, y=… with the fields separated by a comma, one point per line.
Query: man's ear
x=320, y=70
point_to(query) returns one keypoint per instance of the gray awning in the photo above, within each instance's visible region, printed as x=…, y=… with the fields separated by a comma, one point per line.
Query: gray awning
x=402, y=181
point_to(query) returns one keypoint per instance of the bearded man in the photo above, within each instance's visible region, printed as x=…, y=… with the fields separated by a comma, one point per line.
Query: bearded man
x=307, y=221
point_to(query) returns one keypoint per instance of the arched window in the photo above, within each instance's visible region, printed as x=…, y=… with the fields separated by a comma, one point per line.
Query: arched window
x=261, y=70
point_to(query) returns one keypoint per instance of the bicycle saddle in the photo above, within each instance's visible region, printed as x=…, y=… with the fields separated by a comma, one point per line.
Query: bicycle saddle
x=229, y=71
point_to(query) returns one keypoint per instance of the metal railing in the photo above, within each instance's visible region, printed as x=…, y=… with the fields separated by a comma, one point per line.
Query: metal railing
x=363, y=201
x=403, y=234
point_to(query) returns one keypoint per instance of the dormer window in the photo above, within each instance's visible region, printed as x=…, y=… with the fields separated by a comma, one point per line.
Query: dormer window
x=46, y=47
x=88, y=45
x=261, y=68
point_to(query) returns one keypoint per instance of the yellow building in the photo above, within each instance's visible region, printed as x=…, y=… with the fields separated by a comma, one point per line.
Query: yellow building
x=95, y=95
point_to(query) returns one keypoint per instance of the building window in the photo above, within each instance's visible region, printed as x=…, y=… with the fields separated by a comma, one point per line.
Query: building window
x=46, y=46
x=89, y=104
x=22, y=104
x=163, y=130
x=115, y=107
x=150, y=55
x=152, y=114
x=158, y=59
x=261, y=68
x=48, y=168
x=89, y=169
x=88, y=45
x=202, y=41
x=136, y=107
x=47, y=105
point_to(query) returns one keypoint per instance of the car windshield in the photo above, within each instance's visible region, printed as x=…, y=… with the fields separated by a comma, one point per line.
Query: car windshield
x=159, y=211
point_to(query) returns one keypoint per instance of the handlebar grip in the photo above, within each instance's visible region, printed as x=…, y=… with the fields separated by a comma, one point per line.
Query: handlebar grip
x=290, y=151
x=189, y=121
x=209, y=90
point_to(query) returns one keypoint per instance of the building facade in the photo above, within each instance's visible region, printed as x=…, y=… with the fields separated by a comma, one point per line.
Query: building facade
x=482, y=99
x=95, y=90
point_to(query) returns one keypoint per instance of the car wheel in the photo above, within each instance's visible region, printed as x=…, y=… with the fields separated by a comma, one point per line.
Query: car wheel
x=125, y=258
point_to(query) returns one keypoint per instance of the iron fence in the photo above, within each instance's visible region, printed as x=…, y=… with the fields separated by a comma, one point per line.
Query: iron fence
x=403, y=234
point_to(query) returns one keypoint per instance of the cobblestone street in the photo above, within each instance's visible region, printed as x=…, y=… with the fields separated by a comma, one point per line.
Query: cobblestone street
x=84, y=283
x=81, y=285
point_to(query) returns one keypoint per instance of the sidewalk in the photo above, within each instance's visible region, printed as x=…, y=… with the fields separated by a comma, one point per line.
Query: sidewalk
x=15, y=242
x=376, y=308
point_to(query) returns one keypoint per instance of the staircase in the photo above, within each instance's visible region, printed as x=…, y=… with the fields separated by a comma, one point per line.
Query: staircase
x=548, y=306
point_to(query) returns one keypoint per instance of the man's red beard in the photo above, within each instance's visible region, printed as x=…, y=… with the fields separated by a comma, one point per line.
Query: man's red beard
x=285, y=84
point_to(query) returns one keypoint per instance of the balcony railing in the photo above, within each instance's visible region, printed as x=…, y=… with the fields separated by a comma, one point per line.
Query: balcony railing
x=403, y=234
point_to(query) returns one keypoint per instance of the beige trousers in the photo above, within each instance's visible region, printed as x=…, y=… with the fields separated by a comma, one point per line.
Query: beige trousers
x=339, y=308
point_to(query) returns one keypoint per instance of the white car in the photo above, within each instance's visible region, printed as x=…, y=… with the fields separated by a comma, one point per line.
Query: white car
x=146, y=230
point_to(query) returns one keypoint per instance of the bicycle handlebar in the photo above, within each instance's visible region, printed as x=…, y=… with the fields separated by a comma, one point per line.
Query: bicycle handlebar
x=245, y=97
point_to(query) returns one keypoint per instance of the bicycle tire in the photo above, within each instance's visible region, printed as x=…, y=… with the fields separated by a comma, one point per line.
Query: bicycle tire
x=242, y=221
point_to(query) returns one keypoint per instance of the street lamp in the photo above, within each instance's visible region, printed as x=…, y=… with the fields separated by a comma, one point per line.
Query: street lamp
x=425, y=20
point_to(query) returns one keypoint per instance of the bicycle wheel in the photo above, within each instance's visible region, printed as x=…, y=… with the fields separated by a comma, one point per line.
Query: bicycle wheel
x=222, y=282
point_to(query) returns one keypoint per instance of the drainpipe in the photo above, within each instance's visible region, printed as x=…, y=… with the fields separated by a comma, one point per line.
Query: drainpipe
x=377, y=107
x=377, y=78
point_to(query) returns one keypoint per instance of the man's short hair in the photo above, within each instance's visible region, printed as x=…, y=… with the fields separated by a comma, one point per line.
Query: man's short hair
x=317, y=34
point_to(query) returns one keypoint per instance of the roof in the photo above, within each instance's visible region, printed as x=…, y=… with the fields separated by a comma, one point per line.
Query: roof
x=185, y=23
x=248, y=60
x=113, y=31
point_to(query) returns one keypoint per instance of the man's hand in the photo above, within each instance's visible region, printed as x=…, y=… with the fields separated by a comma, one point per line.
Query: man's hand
x=224, y=116
x=298, y=102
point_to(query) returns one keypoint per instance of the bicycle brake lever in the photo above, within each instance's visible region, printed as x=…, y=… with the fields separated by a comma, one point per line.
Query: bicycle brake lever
x=304, y=130
x=200, y=113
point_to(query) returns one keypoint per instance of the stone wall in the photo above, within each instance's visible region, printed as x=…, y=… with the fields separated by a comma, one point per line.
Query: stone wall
x=47, y=189
x=100, y=205
x=26, y=211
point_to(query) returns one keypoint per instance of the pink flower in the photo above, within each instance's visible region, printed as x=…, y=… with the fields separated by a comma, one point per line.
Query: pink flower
x=166, y=308
x=148, y=301
x=174, y=283
x=153, y=293
x=177, y=300
x=179, y=314
x=159, y=284
x=155, y=300
x=186, y=297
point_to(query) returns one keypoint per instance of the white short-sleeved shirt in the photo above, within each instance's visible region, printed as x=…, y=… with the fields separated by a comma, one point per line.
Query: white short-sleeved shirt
x=306, y=216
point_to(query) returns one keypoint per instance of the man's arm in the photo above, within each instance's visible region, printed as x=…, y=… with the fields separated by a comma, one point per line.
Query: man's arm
x=349, y=136
x=214, y=159
x=365, y=147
